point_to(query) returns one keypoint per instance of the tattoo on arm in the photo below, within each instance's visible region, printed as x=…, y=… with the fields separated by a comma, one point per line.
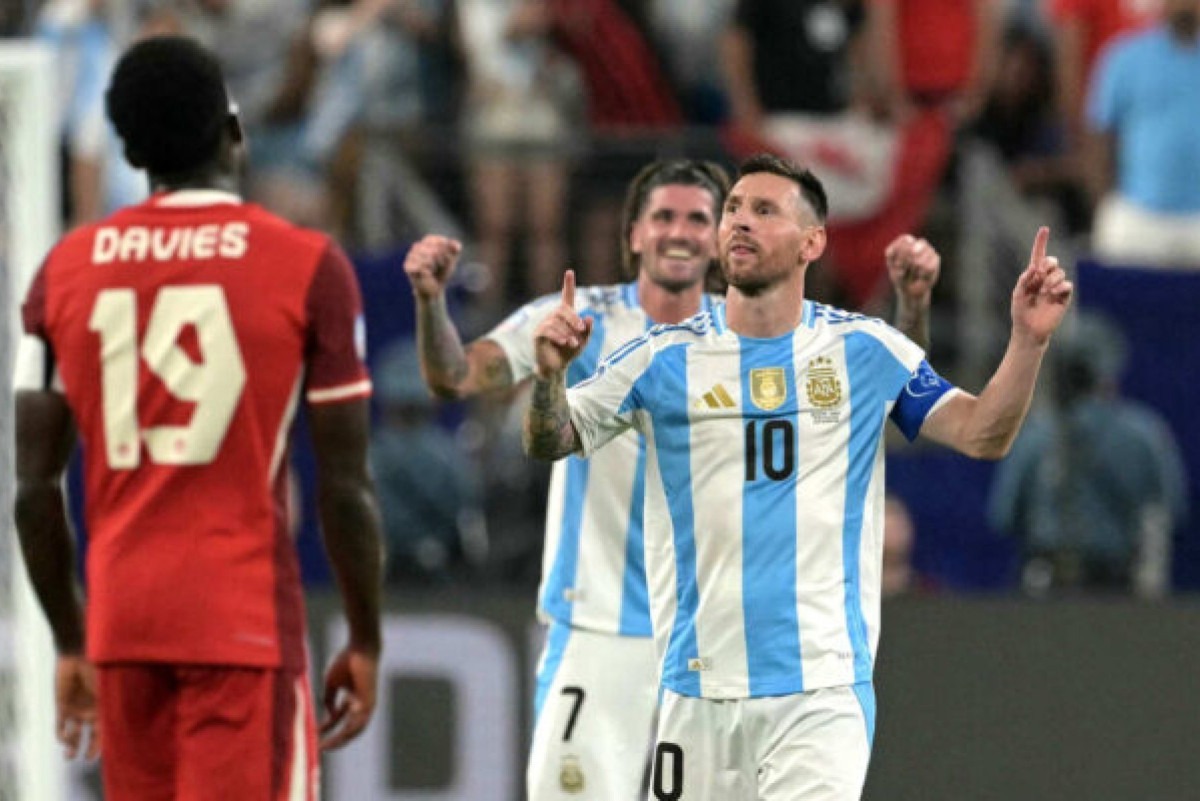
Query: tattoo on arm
x=549, y=432
x=452, y=370
x=913, y=322
x=442, y=354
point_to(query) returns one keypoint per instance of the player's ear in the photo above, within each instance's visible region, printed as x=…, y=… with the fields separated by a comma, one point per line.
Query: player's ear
x=233, y=125
x=134, y=158
x=814, y=244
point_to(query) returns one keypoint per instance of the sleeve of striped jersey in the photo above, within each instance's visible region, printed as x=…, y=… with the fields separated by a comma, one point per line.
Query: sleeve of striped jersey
x=602, y=406
x=336, y=337
x=514, y=335
x=921, y=396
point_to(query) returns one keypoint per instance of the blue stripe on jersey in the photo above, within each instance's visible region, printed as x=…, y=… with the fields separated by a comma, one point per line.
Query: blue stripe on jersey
x=629, y=294
x=635, y=601
x=673, y=441
x=865, y=691
x=585, y=363
x=635, y=593
x=566, y=557
x=769, y=529
x=875, y=377
x=557, y=636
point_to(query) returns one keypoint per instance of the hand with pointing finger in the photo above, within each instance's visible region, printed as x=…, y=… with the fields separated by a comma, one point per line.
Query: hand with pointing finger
x=1042, y=294
x=562, y=335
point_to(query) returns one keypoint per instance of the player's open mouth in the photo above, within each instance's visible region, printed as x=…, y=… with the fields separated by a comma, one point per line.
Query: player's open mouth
x=677, y=253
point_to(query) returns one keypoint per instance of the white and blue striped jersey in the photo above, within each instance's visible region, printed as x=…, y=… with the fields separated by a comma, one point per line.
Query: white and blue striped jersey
x=764, y=491
x=593, y=571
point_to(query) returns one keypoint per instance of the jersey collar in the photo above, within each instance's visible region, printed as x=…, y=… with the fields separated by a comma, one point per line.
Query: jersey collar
x=189, y=198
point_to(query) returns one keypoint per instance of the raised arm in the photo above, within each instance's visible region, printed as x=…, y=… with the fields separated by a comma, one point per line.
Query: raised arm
x=350, y=526
x=985, y=426
x=558, y=339
x=450, y=370
x=44, y=438
x=913, y=267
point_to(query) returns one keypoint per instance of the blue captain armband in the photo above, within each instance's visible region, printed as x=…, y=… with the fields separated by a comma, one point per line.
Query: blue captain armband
x=922, y=392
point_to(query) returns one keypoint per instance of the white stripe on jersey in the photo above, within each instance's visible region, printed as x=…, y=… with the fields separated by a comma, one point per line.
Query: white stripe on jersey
x=764, y=496
x=593, y=573
x=34, y=369
x=299, y=779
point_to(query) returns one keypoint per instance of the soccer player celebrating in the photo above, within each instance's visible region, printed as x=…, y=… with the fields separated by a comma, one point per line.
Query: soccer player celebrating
x=175, y=337
x=763, y=428
x=596, y=683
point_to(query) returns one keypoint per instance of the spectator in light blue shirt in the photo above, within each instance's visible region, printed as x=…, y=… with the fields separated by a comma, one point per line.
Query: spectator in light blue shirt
x=1143, y=115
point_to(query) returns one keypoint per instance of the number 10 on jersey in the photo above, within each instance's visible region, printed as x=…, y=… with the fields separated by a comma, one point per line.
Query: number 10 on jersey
x=214, y=384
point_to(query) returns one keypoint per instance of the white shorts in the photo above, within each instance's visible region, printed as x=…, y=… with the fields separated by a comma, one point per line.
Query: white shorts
x=594, y=716
x=1126, y=234
x=811, y=746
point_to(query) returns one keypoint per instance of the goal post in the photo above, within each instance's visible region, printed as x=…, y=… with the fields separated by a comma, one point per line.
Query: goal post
x=31, y=766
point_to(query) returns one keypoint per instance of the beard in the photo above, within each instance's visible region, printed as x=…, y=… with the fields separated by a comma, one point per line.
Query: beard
x=749, y=285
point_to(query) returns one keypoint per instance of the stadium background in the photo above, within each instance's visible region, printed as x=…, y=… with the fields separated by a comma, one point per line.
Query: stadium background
x=983, y=695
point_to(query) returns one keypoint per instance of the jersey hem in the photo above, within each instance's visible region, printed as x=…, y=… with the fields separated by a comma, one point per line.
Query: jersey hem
x=360, y=389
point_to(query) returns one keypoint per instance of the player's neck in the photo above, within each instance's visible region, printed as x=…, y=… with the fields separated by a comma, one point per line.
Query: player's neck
x=773, y=312
x=206, y=179
x=663, y=305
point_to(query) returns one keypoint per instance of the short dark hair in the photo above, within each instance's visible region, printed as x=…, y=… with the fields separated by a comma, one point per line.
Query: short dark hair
x=673, y=172
x=168, y=103
x=810, y=185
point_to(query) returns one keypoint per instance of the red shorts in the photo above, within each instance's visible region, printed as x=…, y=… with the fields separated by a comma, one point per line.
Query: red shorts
x=206, y=733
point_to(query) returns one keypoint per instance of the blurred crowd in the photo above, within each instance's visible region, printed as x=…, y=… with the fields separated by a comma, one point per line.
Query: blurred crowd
x=516, y=125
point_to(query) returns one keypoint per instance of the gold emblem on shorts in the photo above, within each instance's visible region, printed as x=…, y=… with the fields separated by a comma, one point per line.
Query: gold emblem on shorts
x=570, y=778
x=768, y=390
x=823, y=386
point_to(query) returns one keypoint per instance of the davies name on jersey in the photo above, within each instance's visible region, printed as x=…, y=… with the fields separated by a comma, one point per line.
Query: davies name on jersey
x=171, y=243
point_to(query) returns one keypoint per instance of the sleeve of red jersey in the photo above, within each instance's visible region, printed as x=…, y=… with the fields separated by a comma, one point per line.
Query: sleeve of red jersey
x=336, y=345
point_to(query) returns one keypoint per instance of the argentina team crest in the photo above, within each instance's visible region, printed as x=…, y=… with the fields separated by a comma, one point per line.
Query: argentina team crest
x=768, y=387
x=823, y=386
x=570, y=778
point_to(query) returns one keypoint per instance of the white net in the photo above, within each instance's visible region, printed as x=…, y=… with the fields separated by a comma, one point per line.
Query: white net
x=30, y=766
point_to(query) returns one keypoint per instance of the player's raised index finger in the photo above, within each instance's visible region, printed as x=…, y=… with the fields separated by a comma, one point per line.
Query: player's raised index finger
x=568, y=290
x=1039, y=245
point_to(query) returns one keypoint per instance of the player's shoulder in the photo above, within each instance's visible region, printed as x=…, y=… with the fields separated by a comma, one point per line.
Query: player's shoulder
x=665, y=336
x=267, y=222
x=845, y=325
x=606, y=300
x=841, y=322
x=597, y=301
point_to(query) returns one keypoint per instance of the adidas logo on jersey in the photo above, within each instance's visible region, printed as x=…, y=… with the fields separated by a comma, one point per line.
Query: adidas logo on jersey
x=716, y=398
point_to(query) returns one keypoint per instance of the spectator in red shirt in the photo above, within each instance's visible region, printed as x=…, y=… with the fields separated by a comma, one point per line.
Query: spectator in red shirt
x=937, y=53
x=1081, y=30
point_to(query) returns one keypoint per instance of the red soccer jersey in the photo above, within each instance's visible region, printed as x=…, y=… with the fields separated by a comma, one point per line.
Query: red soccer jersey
x=184, y=330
